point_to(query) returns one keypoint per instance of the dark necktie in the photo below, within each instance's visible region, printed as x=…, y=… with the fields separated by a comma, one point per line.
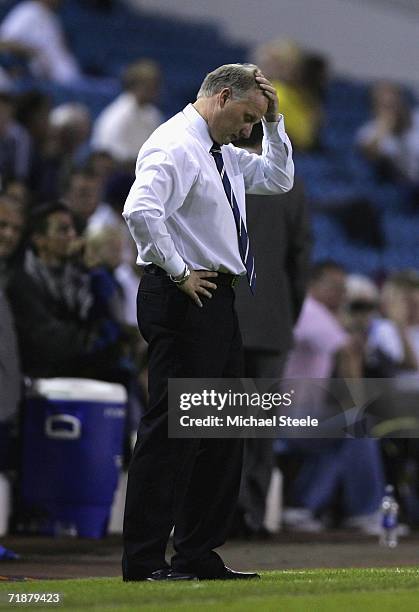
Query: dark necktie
x=243, y=239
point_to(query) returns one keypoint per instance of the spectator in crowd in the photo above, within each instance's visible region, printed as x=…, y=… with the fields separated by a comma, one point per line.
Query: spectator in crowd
x=11, y=227
x=104, y=256
x=283, y=61
x=391, y=139
x=60, y=143
x=14, y=143
x=362, y=304
x=35, y=25
x=33, y=109
x=111, y=247
x=389, y=350
x=315, y=75
x=70, y=126
x=103, y=165
x=279, y=230
x=52, y=301
x=83, y=196
x=323, y=304
x=322, y=347
x=19, y=192
x=123, y=126
x=402, y=455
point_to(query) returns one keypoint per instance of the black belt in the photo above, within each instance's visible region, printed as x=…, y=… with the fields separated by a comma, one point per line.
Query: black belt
x=228, y=280
x=155, y=270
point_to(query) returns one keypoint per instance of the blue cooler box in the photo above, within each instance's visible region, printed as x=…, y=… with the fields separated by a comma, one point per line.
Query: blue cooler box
x=72, y=446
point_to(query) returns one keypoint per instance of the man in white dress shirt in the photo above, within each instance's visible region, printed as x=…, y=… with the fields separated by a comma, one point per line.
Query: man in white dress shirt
x=34, y=23
x=186, y=212
x=123, y=127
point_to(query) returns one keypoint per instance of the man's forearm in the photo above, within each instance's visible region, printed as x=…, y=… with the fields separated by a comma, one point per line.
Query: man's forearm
x=156, y=243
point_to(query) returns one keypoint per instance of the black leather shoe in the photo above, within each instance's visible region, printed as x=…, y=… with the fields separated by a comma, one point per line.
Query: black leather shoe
x=229, y=574
x=169, y=575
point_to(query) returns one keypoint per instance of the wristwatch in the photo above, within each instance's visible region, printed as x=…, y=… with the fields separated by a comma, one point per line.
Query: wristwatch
x=179, y=280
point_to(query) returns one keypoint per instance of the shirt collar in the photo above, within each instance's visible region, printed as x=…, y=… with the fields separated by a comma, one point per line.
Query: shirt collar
x=199, y=125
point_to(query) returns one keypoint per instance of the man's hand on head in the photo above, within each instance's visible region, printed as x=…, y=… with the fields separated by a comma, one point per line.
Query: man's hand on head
x=197, y=284
x=272, y=114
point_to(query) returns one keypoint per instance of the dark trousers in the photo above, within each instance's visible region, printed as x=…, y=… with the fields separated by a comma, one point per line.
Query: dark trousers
x=191, y=484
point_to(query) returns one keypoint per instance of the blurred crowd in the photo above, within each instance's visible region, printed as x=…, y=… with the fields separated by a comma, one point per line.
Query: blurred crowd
x=68, y=278
x=350, y=328
x=389, y=140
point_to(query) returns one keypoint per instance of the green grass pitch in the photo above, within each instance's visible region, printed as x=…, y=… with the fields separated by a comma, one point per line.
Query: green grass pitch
x=322, y=590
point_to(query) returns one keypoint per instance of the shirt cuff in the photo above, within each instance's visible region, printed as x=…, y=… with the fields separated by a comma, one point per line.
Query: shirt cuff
x=173, y=266
x=275, y=130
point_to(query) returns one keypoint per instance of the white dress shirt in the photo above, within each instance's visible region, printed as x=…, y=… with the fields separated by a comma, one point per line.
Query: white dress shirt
x=123, y=127
x=35, y=25
x=177, y=209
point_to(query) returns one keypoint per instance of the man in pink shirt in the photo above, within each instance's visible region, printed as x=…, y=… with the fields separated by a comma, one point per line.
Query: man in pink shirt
x=318, y=335
x=322, y=349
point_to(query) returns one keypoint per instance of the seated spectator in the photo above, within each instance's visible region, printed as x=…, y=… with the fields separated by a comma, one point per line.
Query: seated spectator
x=112, y=301
x=34, y=24
x=105, y=256
x=392, y=351
x=391, y=139
x=389, y=351
x=33, y=109
x=18, y=191
x=322, y=346
x=283, y=62
x=52, y=302
x=103, y=165
x=315, y=75
x=362, y=303
x=70, y=126
x=59, y=142
x=123, y=127
x=83, y=196
x=14, y=143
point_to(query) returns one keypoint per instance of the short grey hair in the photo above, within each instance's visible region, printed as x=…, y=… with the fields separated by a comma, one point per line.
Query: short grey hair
x=240, y=78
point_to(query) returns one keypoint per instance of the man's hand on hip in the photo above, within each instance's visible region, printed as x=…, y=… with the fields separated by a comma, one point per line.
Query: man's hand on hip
x=198, y=284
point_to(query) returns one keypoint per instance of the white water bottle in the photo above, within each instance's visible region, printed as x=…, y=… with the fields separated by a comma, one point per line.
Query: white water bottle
x=389, y=519
x=5, y=504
